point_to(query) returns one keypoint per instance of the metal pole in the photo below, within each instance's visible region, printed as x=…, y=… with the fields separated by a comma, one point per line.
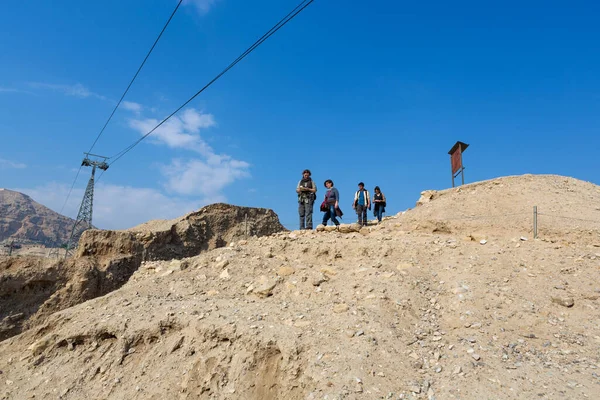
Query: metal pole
x=462, y=174
x=535, y=222
x=451, y=171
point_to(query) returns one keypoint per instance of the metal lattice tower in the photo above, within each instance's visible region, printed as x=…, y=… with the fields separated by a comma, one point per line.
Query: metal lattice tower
x=84, y=217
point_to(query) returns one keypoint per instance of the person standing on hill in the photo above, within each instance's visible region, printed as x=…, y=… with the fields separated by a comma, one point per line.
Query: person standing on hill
x=362, y=202
x=331, y=203
x=379, y=203
x=306, y=190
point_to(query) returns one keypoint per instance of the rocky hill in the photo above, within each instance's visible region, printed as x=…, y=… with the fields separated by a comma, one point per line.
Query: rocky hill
x=26, y=221
x=505, y=205
x=453, y=299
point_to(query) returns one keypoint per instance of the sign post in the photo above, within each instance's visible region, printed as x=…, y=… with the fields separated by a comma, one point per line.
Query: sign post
x=456, y=160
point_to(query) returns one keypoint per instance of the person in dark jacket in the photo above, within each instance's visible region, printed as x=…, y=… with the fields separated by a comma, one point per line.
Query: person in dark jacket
x=306, y=190
x=332, y=198
x=379, y=203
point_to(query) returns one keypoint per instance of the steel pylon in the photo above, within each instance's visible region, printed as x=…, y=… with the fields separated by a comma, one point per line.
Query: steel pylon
x=84, y=217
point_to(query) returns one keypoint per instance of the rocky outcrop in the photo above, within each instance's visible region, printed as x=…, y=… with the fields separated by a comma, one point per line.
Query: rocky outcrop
x=33, y=288
x=426, y=197
x=210, y=227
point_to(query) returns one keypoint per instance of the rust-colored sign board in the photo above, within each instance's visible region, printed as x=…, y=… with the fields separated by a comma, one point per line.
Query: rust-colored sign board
x=456, y=159
x=456, y=155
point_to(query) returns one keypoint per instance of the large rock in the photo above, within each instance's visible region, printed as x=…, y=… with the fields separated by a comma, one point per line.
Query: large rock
x=210, y=227
x=349, y=228
x=426, y=197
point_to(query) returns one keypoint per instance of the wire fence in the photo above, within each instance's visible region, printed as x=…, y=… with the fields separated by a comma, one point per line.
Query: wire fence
x=572, y=218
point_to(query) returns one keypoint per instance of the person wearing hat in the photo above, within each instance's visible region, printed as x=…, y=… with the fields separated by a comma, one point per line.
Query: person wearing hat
x=306, y=190
x=362, y=202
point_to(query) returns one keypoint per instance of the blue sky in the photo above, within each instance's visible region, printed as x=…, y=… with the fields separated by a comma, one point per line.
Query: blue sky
x=375, y=92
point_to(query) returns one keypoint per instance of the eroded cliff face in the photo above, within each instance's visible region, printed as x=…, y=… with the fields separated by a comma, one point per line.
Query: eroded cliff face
x=32, y=288
x=210, y=227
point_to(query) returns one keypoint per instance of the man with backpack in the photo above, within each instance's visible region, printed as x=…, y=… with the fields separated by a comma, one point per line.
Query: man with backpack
x=362, y=202
x=306, y=190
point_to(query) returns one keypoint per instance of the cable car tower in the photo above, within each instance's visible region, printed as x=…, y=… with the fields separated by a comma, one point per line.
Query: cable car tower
x=84, y=217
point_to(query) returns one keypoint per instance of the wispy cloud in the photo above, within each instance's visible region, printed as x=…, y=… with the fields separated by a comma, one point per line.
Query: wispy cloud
x=205, y=176
x=7, y=164
x=76, y=90
x=131, y=106
x=4, y=89
x=8, y=90
x=203, y=6
x=115, y=206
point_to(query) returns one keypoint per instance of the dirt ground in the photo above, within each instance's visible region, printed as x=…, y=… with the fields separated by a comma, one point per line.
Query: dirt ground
x=453, y=299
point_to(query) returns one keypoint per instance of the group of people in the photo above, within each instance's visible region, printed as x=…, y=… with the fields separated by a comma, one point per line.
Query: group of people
x=307, y=194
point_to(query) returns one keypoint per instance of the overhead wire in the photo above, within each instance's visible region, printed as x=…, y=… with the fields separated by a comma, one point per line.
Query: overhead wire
x=136, y=74
x=70, y=190
x=122, y=97
x=282, y=22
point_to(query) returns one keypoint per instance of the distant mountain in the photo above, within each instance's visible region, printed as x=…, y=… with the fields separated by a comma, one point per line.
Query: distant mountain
x=25, y=221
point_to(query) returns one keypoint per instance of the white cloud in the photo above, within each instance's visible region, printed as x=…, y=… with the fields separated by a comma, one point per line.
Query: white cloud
x=170, y=133
x=131, y=106
x=76, y=90
x=203, y=6
x=206, y=176
x=117, y=207
x=179, y=131
x=7, y=164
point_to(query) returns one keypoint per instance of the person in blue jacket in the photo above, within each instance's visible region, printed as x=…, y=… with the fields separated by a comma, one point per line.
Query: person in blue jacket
x=361, y=203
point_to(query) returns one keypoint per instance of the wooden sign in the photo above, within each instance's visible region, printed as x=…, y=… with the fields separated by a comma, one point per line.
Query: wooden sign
x=456, y=160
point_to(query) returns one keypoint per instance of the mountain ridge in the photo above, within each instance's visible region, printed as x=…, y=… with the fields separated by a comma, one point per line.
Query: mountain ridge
x=24, y=220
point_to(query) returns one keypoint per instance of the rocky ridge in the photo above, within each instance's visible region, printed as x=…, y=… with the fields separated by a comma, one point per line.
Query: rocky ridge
x=26, y=221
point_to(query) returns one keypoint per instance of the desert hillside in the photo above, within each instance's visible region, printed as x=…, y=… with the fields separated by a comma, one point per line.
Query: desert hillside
x=25, y=221
x=453, y=299
x=565, y=206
